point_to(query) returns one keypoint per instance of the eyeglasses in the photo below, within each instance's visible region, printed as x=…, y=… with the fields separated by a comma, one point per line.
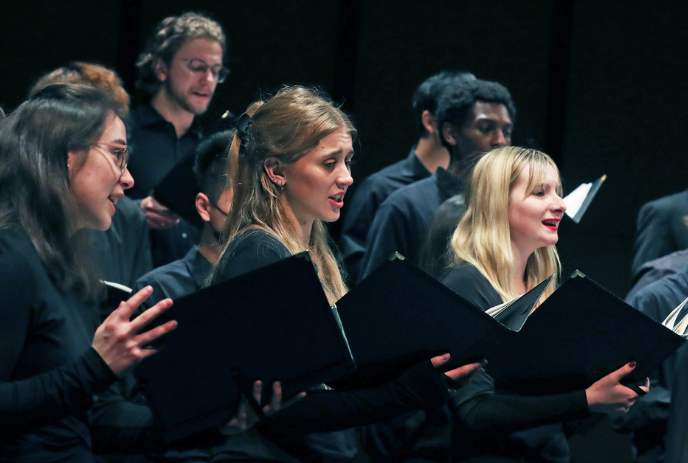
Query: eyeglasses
x=200, y=67
x=214, y=204
x=120, y=154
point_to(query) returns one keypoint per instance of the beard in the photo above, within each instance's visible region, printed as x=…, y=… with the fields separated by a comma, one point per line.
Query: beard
x=182, y=100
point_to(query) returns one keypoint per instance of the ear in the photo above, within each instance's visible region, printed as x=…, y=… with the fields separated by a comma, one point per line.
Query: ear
x=276, y=170
x=203, y=206
x=74, y=161
x=449, y=133
x=161, y=70
x=428, y=121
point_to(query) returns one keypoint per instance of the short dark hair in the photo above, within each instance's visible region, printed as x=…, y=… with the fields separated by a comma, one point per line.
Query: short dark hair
x=211, y=168
x=35, y=187
x=169, y=36
x=456, y=101
x=428, y=93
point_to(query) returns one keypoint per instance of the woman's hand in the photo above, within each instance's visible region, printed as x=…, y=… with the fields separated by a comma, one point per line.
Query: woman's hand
x=609, y=396
x=246, y=417
x=118, y=340
x=457, y=373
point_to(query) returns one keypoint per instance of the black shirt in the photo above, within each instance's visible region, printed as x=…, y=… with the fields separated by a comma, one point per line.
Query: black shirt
x=49, y=372
x=366, y=201
x=122, y=253
x=511, y=426
x=402, y=221
x=648, y=417
x=176, y=279
x=155, y=151
x=155, y=148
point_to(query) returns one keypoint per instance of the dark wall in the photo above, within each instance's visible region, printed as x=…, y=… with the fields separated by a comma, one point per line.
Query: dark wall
x=601, y=85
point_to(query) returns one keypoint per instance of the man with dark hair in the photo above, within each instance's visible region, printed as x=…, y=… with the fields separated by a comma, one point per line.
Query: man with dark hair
x=180, y=69
x=188, y=275
x=425, y=157
x=471, y=118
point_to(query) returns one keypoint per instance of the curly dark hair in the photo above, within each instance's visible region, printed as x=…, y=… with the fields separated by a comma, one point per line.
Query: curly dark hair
x=170, y=35
x=458, y=99
x=428, y=93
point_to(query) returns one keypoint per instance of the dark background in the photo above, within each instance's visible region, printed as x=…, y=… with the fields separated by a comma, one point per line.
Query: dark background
x=599, y=85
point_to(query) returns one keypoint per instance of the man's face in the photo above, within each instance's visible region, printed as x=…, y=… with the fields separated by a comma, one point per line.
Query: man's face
x=486, y=126
x=188, y=87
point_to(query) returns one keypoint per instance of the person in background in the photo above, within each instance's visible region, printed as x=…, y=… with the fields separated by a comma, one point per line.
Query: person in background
x=180, y=70
x=425, y=157
x=188, y=275
x=472, y=118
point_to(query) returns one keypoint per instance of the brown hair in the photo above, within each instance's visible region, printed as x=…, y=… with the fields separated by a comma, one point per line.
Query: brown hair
x=286, y=126
x=90, y=74
x=170, y=35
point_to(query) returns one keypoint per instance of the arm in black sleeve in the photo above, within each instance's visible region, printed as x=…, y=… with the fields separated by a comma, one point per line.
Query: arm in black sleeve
x=480, y=408
x=55, y=393
x=421, y=387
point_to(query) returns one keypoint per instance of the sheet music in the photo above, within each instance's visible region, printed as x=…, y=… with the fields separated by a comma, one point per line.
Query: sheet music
x=574, y=200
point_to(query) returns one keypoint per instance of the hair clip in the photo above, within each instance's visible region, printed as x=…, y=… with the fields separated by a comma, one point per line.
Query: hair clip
x=243, y=123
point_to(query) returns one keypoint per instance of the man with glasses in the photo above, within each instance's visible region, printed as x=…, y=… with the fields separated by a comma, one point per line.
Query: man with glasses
x=180, y=69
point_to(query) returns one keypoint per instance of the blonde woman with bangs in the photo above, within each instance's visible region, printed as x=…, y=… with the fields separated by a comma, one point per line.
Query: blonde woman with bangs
x=503, y=246
x=290, y=162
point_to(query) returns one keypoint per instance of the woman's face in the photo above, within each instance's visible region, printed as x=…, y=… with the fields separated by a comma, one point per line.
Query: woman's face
x=98, y=181
x=534, y=216
x=315, y=184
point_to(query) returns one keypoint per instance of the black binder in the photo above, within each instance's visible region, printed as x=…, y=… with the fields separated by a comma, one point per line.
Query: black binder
x=400, y=315
x=579, y=334
x=271, y=324
x=178, y=189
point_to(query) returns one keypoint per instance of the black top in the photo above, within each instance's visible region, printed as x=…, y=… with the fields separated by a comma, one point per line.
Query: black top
x=419, y=388
x=155, y=152
x=401, y=222
x=176, y=279
x=48, y=371
x=657, y=269
x=122, y=253
x=662, y=228
x=155, y=148
x=648, y=417
x=367, y=199
x=489, y=423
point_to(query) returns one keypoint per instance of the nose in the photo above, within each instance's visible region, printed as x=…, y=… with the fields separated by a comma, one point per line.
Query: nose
x=345, y=179
x=498, y=139
x=126, y=180
x=559, y=205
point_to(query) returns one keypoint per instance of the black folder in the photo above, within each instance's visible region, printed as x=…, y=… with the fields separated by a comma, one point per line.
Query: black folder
x=579, y=334
x=177, y=190
x=271, y=324
x=400, y=315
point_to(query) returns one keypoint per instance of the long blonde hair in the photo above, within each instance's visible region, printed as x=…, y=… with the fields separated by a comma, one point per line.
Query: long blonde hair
x=286, y=126
x=483, y=237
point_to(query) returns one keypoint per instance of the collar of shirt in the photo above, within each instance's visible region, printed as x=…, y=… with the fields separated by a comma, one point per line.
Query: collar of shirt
x=448, y=183
x=416, y=169
x=198, y=266
x=149, y=117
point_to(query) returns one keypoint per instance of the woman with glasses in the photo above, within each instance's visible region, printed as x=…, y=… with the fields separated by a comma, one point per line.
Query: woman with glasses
x=63, y=167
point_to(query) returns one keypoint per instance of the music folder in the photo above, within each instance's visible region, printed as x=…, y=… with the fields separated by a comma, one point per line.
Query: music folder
x=274, y=323
x=178, y=189
x=400, y=315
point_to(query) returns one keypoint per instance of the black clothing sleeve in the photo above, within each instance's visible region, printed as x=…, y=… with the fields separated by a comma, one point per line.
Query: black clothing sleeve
x=419, y=388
